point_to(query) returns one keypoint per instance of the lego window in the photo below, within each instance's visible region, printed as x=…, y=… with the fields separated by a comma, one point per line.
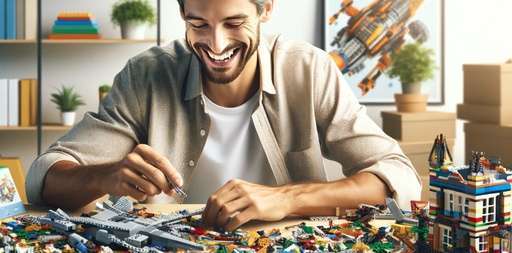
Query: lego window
x=505, y=244
x=482, y=243
x=489, y=210
x=447, y=238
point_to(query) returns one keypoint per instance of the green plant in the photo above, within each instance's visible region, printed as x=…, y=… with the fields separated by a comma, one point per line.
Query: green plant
x=132, y=10
x=66, y=99
x=105, y=88
x=413, y=63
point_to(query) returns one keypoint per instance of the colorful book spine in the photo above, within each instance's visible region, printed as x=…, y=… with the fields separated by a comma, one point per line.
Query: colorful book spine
x=20, y=19
x=2, y=20
x=4, y=102
x=30, y=19
x=10, y=21
x=74, y=36
x=24, y=102
x=13, y=100
x=33, y=102
x=78, y=22
x=74, y=30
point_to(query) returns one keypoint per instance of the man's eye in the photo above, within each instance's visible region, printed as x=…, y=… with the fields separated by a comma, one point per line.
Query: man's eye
x=198, y=26
x=234, y=24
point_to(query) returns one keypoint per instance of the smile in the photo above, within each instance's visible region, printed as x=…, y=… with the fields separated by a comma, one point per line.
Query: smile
x=223, y=59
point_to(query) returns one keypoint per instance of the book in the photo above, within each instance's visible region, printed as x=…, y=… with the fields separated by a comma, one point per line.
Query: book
x=30, y=19
x=76, y=22
x=4, y=104
x=73, y=36
x=10, y=19
x=2, y=19
x=24, y=102
x=13, y=100
x=20, y=19
x=10, y=201
x=33, y=102
x=74, y=30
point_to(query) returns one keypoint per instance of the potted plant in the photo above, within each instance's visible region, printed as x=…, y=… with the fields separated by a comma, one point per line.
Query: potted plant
x=67, y=102
x=133, y=16
x=412, y=64
x=103, y=91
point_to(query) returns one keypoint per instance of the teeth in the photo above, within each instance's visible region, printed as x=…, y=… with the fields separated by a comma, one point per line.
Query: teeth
x=222, y=57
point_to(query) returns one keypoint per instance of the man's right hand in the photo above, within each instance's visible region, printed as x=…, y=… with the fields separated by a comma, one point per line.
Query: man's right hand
x=142, y=173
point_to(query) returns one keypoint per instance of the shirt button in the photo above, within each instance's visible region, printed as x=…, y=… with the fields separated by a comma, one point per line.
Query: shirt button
x=191, y=163
x=202, y=132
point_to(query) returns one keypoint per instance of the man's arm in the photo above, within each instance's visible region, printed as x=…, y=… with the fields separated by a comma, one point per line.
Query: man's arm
x=140, y=174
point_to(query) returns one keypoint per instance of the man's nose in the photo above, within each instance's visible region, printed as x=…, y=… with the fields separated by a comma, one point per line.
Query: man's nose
x=219, y=41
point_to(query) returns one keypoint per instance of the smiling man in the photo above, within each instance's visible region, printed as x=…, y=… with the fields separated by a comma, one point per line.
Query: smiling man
x=240, y=120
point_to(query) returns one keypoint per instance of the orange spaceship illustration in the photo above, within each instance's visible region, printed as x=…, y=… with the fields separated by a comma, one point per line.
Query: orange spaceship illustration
x=374, y=31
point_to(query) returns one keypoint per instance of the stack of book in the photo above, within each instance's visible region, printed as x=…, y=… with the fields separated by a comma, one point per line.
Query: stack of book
x=18, y=102
x=18, y=19
x=488, y=109
x=75, y=25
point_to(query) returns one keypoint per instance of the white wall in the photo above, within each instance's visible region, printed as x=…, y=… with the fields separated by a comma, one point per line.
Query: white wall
x=476, y=31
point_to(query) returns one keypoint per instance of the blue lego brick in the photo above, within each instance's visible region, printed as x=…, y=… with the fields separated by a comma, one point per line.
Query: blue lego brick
x=468, y=189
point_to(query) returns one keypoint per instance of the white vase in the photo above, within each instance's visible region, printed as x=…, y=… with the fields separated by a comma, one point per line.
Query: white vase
x=68, y=118
x=133, y=30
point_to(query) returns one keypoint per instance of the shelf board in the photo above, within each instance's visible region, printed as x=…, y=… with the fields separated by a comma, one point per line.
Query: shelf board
x=46, y=127
x=98, y=41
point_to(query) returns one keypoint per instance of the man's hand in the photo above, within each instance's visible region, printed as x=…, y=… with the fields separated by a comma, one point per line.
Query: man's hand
x=142, y=173
x=238, y=202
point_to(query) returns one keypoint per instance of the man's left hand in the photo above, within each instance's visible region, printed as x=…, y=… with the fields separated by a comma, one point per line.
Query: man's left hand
x=238, y=202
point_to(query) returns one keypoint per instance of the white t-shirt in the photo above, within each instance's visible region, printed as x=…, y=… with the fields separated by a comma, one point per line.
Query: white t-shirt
x=232, y=150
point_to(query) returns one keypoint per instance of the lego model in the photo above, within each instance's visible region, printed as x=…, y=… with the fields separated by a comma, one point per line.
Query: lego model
x=469, y=206
x=374, y=31
x=114, y=224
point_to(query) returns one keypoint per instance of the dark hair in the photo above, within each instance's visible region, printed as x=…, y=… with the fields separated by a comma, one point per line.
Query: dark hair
x=259, y=5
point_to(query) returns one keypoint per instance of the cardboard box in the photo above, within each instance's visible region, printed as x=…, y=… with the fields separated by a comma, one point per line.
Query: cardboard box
x=493, y=140
x=418, y=153
x=418, y=126
x=493, y=114
x=488, y=84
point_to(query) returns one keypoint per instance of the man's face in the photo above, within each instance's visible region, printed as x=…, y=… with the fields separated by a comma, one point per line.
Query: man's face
x=224, y=34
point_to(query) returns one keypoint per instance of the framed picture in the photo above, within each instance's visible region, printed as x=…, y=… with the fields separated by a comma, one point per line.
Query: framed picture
x=10, y=201
x=430, y=14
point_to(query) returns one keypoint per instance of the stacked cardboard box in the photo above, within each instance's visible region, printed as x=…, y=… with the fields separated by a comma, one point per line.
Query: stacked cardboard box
x=415, y=132
x=488, y=108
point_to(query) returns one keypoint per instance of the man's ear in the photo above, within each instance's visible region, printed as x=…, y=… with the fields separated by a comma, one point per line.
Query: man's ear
x=268, y=7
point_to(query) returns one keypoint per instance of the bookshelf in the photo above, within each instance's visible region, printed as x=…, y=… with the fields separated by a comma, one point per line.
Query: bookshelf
x=100, y=41
x=45, y=55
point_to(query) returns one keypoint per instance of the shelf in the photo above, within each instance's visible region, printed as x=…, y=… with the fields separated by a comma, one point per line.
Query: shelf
x=99, y=41
x=47, y=127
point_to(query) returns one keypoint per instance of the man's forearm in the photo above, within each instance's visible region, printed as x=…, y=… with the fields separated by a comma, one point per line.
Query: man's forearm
x=71, y=186
x=316, y=199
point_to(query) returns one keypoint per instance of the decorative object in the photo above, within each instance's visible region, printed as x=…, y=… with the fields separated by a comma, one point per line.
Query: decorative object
x=133, y=16
x=361, y=44
x=75, y=25
x=10, y=201
x=103, y=91
x=17, y=174
x=67, y=102
x=413, y=64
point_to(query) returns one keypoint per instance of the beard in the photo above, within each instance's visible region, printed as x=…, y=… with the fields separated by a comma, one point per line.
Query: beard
x=225, y=75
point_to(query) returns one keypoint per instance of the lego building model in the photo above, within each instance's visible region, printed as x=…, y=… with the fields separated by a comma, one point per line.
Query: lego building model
x=470, y=205
x=374, y=31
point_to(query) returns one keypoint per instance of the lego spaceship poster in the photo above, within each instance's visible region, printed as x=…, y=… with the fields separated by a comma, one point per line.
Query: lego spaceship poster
x=362, y=45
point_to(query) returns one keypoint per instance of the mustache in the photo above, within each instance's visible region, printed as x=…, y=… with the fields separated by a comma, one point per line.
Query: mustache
x=200, y=45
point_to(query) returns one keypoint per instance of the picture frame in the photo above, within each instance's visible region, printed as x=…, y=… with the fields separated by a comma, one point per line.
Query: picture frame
x=431, y=13
x=10, y=201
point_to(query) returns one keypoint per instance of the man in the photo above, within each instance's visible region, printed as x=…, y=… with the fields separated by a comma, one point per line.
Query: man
x=239, y=121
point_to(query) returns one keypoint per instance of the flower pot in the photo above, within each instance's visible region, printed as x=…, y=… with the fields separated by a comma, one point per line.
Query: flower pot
x=68, y=118
x=414, y=88
x=133, y=30
x=411, y=102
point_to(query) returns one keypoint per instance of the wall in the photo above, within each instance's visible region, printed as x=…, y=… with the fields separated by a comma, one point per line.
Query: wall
x=475, y=32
